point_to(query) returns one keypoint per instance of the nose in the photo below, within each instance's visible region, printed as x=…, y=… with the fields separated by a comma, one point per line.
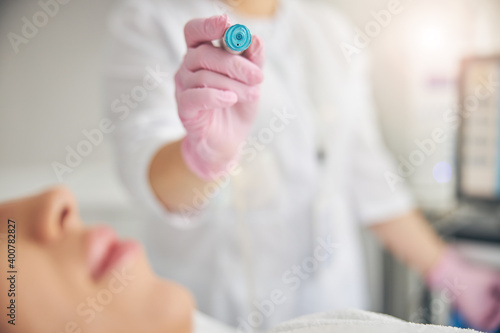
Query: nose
x=54, y=212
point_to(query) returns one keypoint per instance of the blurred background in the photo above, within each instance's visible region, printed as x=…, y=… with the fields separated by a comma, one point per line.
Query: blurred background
x=50, y=93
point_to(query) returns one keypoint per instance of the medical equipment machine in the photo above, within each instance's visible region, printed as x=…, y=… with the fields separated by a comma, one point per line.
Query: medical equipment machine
x=237, y=39
x=479, y=136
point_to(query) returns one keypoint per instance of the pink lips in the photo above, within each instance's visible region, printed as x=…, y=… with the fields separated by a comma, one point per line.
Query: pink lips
x=106, y=250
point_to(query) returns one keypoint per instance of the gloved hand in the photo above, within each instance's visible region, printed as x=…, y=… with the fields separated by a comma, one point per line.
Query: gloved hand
x=473, y=289
x=217, y=96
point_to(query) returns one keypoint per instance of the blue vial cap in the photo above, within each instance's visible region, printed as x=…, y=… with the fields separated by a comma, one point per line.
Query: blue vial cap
x=238, y=38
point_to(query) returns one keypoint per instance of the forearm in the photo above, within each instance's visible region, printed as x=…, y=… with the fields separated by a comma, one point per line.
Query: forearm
x=172, y=181
x=411, y=239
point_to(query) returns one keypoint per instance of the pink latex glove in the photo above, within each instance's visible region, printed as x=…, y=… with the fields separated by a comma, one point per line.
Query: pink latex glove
x=217, y=96
x=474, y=289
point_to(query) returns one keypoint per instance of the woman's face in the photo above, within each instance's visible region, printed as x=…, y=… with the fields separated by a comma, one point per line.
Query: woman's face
x=73, y=279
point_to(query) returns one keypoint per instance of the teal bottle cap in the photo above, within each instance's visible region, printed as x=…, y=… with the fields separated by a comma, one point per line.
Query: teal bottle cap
x=237, y=39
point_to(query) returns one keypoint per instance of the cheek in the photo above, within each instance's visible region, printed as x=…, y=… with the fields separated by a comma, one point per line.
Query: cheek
x=119, y=298
x=50, y=286
x=48, y=299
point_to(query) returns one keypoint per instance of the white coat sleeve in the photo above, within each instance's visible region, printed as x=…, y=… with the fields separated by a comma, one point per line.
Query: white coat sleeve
x=376, y=197
x=144, y=50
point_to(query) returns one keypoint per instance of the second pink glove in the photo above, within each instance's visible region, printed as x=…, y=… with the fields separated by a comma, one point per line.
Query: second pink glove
x=473, y=289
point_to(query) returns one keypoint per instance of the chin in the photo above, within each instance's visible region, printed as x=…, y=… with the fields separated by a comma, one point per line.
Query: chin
x=172, y=307
x=167, y=306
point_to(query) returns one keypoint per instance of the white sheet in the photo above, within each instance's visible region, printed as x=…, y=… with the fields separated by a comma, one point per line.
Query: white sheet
x=346, y=321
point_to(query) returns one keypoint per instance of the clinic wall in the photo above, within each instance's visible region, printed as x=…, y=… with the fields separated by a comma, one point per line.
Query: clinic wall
x=50, y=89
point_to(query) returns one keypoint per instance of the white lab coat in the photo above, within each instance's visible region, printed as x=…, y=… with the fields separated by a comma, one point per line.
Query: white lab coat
x=260, y=234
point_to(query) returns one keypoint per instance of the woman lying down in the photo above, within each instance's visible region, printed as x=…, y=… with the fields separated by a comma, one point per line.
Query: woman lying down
x=75, y=279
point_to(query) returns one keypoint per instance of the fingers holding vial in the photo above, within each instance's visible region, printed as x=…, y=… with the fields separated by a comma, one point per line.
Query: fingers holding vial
x=217, y=92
